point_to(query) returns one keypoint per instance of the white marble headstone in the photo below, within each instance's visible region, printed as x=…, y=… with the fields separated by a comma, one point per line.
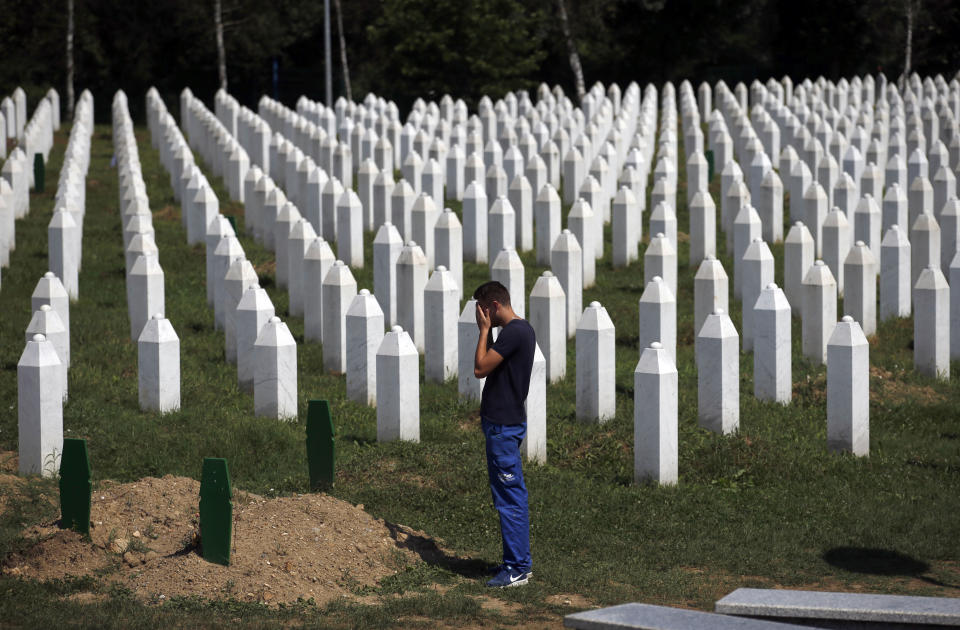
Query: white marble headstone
x=566, y=262
x=158, y=363
x=275, y=393
x=39, y=409
x=860, y=279
x=772, y=347
x=252, y=313
x=655, y=417
x=411, y=282
x=718, y=374
x=441, y=311
x=820, y=311
x=338, y=291
x=534, y=446
x=596, y=365
x=657, y=317
x=848, y=389
x=895, y=276
x=145, y=293
x=364, y=330
x=931, y=324
x=398, y=388
x=548, y=317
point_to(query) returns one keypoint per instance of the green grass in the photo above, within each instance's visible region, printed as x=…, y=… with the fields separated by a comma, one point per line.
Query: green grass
x=766, y=506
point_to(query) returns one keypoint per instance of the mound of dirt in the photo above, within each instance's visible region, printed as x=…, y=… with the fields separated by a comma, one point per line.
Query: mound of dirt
x=145, y=535
x=10, y=483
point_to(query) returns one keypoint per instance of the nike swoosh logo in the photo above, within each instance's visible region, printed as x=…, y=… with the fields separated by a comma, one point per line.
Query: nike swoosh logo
x=514, y=579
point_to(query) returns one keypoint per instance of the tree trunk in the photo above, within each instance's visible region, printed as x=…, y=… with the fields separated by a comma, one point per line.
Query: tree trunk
x=343, y=51
x=909, y=51
x=327, y=57
x=221, y=54
x=70, y=97
x=572, y=50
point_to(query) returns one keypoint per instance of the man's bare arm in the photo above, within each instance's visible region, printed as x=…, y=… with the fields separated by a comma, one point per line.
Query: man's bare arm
x=485, y=360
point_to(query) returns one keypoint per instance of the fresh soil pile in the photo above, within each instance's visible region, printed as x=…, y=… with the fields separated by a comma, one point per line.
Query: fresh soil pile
x=10, y=483
x=145, y=535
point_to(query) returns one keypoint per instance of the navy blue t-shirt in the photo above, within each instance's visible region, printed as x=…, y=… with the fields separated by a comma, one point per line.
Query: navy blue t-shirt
x=506, y=387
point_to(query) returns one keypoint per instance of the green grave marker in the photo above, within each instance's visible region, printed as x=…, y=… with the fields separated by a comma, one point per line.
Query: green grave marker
x=321, y=449
x=38, y=172
x=216, y=511
x=75, y=486
x=709, y=155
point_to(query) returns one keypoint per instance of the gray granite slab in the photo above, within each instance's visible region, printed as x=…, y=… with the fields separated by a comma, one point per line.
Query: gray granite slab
x=801, y=606
x=649, y=617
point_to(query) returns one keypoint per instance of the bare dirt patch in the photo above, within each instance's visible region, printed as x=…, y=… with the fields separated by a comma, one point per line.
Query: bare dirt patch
x=885, y=386
x=471, y=422
x=570, y=600
x=388, y=466
x=167, y=213
x=145, y=536
x=9, y=486
x=268, y=268
x=9, y=462
x=87, y=598
x=812, y=389
x=500, y=606
x=10, y=483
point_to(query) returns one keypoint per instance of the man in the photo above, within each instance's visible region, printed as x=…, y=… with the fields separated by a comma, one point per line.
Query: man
x=506, y=365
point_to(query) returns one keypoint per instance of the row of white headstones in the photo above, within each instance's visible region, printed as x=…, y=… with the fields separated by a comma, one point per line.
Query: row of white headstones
x=851, y=255
x=17, y=174
x=220, y=149
x=42, y=371
x=286, y=216
x=13, y=116
x=860, y=442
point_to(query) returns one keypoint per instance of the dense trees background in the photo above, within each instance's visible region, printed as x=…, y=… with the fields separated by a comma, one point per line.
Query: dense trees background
x=408, y=48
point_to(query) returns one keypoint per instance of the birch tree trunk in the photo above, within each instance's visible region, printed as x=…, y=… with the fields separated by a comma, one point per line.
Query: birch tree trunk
x=908, y=54
x=221, y=54
x=572, y=50
x=343, y=51
x=327, y=57
x=70, y=96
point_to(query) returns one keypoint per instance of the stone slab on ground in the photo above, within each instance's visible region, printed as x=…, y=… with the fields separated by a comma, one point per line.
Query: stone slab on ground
x=649, y=617
x=842, y=610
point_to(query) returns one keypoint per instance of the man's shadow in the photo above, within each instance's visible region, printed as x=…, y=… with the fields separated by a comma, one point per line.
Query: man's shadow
x=430, y=553
x=880, y=562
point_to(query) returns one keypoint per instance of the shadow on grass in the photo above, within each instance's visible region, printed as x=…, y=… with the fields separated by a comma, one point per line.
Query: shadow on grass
x=358, y=439
x=430, y=553
x=884, y=562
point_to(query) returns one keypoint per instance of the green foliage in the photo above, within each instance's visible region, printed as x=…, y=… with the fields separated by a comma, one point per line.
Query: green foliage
x=404, y=49
x=465, y=48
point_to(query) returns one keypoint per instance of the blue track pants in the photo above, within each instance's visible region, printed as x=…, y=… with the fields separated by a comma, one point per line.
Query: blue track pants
x=505, y=469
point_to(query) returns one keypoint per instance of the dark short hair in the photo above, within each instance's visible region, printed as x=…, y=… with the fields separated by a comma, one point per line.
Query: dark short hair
x=492, y=291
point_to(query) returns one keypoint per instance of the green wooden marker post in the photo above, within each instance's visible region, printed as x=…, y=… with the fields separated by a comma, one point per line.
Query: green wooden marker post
x=38, y=172
x=321, y=449
x=75, y=486
x=216, y=511
x=709, y=155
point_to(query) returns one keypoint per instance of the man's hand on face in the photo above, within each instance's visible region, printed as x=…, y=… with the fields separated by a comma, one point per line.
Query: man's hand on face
x=483, y=318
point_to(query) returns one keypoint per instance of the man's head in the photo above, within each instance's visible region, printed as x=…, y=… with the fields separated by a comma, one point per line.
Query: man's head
x=494, y=297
